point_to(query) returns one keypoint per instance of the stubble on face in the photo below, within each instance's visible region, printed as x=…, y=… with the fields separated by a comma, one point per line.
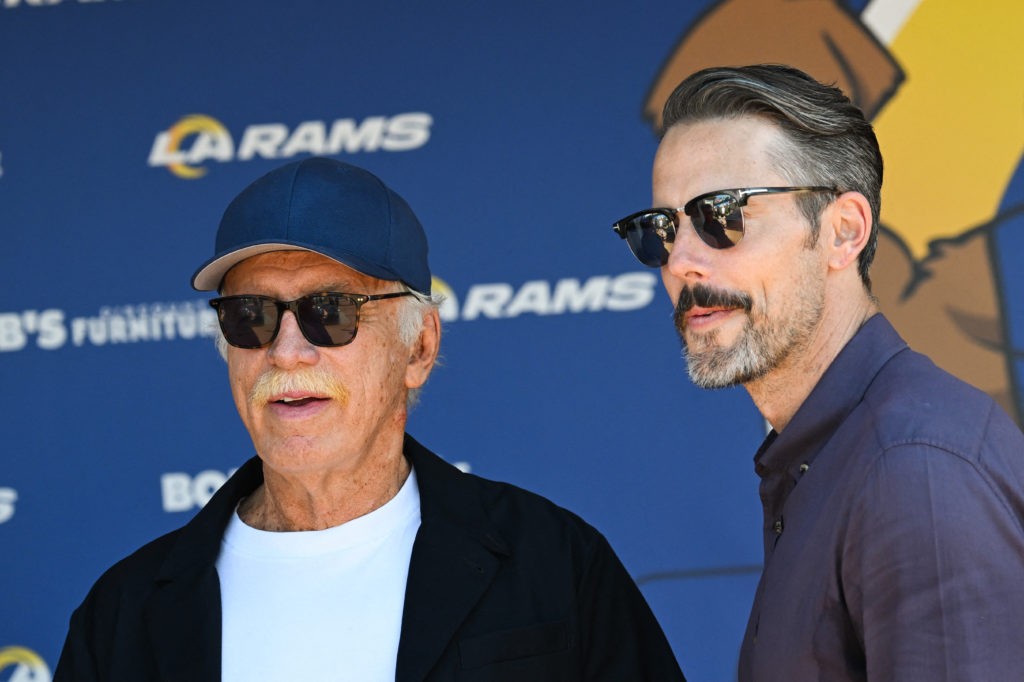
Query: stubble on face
x=764, y=343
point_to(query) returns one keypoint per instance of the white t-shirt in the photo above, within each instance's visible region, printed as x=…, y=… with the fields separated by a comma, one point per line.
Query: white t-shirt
x=317, y=605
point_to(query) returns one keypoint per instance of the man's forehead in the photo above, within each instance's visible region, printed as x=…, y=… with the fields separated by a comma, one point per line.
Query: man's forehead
x=740, y=132
x=303, y=269
x=700, y=156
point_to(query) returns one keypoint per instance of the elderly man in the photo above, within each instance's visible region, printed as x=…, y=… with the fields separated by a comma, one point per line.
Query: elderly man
x=345, y=550
x=893, y=493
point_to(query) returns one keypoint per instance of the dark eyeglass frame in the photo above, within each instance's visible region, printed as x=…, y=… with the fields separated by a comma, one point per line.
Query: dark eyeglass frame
x=305, y=310
x=718, y=228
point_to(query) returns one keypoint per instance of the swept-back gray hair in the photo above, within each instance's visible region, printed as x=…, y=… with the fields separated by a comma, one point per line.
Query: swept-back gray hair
x=829, y=140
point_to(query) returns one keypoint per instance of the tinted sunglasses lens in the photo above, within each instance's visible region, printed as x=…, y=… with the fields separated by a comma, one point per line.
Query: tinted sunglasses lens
x=247, y=321
x=647, y=235
x=328, y=320
x=717, y=220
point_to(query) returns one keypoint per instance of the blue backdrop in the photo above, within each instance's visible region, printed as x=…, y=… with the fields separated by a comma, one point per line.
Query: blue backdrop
x=517, y=133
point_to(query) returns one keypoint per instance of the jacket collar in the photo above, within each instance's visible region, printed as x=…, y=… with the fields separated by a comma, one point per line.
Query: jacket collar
x=183, y=612
x=455, y=557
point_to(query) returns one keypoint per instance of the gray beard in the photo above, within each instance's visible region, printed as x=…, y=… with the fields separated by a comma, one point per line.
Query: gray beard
x=759, y=349
x=713, y=366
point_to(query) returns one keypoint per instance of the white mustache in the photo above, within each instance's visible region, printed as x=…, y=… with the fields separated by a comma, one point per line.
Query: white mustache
x=315, y=381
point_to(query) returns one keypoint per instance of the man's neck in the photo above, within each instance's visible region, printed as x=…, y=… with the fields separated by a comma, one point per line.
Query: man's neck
x=780, y=394
x=290, y=502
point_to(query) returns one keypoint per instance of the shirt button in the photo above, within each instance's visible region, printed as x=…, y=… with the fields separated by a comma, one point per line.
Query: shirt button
x=777, y=527
x=804, y=467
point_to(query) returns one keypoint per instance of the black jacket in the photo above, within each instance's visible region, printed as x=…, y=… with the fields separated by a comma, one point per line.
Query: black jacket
x=503, y=585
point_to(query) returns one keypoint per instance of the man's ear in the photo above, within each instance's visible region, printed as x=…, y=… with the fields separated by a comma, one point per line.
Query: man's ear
x=424, y=350
x=850, y=229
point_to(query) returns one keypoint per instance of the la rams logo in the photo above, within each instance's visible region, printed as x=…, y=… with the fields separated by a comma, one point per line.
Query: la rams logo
x=18, y=664
x=197, y=139
x=943, y=84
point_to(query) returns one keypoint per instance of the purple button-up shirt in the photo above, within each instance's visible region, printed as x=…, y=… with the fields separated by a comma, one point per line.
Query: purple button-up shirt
x=893, y=528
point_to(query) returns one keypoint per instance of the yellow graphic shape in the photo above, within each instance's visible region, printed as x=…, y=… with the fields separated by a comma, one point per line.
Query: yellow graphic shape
x=17, y=655
x=191, y=125
x=954, y=133
x=449, y=310
x=439, y=286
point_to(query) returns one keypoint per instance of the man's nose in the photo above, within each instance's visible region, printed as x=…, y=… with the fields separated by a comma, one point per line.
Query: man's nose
x=689, y=257
x=290, y=347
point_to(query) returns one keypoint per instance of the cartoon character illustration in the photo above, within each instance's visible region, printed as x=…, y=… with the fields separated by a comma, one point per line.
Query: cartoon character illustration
x=943, y=85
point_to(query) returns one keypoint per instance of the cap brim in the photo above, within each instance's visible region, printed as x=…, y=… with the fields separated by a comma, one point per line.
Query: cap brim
x=210, y=274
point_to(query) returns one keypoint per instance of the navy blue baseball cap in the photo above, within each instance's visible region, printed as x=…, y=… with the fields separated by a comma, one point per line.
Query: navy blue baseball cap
x=328, y=207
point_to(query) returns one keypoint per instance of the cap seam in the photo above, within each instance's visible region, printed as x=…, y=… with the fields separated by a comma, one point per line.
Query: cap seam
x=291, y=201
x=390, y=216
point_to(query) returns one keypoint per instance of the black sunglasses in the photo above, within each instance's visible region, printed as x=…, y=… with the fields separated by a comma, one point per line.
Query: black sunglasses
x=716, y=217
x=325, y=319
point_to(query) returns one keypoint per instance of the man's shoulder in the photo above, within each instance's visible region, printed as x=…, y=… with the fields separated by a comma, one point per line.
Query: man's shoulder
x=913, y=401
x=130, y=580
x=509, y=502
x=189, y=548
x=517, y=513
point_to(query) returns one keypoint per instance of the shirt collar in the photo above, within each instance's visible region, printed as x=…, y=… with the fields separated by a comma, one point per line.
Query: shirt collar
x=840, y=389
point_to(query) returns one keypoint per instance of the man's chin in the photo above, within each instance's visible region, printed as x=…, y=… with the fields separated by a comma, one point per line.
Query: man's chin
x=292, y=451
x=702, y=378
x=713, y=366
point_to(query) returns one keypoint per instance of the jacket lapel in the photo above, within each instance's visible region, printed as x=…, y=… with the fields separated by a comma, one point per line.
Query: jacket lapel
x=182, y=614
x=454, y=561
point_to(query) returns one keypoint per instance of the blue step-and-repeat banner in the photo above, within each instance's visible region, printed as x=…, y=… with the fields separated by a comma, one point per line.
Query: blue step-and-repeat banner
x=518, y=131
